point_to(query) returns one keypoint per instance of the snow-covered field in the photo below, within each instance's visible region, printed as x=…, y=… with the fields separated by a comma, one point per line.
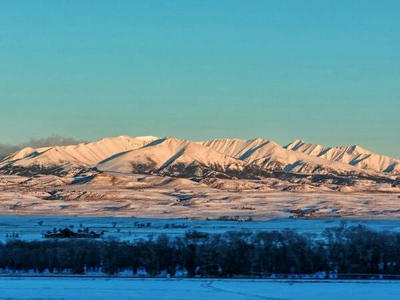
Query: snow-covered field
x=166, y=197
x=32, y=227
x=174, y=289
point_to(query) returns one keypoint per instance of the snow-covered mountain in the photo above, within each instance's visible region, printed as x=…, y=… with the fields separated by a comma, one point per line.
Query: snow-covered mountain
x=230, y=158
x=352, y=155
x=172, y=156
x=63, y=158
x=268, y=155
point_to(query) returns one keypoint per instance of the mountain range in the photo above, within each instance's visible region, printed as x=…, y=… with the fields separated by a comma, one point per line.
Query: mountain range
x=221, y=158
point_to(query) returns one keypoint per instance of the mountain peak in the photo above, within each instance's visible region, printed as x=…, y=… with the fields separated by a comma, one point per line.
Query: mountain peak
x=358, y=149
x=294, y=144
x=149, y=138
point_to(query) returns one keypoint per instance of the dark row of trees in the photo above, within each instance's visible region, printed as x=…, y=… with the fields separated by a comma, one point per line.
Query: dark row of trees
x=337, y=250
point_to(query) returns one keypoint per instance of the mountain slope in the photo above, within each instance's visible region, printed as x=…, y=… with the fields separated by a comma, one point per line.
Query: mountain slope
x=240, y=149
x=268, y=155
x=172, y=156
x=63, y=158
x=352, y=155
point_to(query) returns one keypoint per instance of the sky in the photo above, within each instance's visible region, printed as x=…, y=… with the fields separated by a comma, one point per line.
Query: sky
x=323, y=71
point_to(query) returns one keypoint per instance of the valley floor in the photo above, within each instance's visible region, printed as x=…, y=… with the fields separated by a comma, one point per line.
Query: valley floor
x=167, y=197
x=18, y=288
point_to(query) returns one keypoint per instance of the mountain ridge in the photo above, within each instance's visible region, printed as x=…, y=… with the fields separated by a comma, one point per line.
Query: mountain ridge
x=223, y=157
x=354, y=155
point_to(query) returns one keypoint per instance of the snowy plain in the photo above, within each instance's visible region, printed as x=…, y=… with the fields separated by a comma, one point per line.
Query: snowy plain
x=22, y=288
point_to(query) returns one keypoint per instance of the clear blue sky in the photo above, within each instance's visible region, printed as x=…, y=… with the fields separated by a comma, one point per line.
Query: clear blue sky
x=324, y=71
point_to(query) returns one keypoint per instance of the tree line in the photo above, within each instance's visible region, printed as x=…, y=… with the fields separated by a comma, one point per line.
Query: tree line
x=338, y=250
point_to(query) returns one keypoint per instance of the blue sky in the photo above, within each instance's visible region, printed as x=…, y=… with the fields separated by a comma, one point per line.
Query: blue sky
x=323, y=71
